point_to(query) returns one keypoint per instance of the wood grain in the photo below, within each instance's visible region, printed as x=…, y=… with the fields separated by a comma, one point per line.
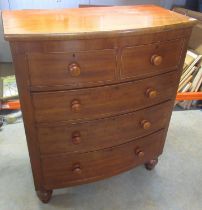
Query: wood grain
x=59, y=170
x=137, y=61
x=102, y=133
x=96, y=87
x=102, y=102
x=90, y=22
x=49, y=69
x=22, y=80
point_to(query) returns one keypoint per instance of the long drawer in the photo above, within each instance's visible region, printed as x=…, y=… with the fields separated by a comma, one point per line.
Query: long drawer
x=94, y=103
x=139, y=61
x=75, y=69
x=104, y=133
x=66, y=170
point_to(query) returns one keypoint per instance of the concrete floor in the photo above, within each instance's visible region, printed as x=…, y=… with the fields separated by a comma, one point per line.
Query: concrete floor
x=175, y=184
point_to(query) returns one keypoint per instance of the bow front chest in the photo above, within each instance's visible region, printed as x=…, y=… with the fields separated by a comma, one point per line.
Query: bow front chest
x=97, y=88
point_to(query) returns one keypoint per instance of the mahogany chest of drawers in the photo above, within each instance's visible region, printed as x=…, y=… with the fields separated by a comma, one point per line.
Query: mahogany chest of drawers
x=97, y=88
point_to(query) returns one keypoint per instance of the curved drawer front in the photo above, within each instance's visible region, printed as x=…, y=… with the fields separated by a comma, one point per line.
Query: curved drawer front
x=72, y=69
x=94, y=103
x=150, y=59
x=66, y=170
x=100, y=134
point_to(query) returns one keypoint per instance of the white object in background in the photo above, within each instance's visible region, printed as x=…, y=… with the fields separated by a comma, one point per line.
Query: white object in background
x=12, y=118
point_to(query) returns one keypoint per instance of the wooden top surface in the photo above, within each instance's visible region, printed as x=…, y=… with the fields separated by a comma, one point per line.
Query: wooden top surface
x=90, y=22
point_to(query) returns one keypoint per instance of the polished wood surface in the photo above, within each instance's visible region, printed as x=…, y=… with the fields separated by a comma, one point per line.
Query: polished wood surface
x=148, y=59
x=88, y=104
x=89, y=67
x=156, y=60
x=89, y=136
x=66, y=170
x=44, y=195
x=22, y=75
x=90, y=22
x=151, y=164
x=53, y=69
x=96, y=94
x=151, y=93
x=74, y=69
x=51, y=82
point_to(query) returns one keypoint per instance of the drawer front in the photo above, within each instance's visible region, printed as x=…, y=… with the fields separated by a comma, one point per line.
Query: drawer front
x=100, y=134
x=72, y=69
x=94, y=103
x=139, y=61
x=64, y=170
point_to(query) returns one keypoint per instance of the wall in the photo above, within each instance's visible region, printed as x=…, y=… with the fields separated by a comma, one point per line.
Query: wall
x=165, y=3
x=40, y=4
x=123, y=2
x=5, y=55
x=169, y=3
x=4, y=4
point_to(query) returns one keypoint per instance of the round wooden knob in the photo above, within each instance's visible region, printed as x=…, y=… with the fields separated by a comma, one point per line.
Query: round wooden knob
x=151, y=93
x=156, y=60
x=76, y=137
x=145, y=124
x=74, y=69
x=76, y=106
x=77, y=168
x=139, y=153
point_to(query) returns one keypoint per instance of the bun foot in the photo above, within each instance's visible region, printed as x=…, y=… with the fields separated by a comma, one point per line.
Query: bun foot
x=151, y=164
x=44, y=195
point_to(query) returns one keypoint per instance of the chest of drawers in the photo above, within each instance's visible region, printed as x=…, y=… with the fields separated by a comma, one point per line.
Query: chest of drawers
x=97, y=87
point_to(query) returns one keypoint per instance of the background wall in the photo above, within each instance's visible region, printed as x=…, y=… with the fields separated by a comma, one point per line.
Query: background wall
x=40, y=4
x=169, y=3
x=4, y=4
x=122, y=2
x=5, y=55
x=50, y=4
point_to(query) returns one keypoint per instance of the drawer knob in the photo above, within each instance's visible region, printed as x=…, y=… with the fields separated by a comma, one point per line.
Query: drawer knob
x=74, y=69
x=77, y=168
x=151, y=93
x=156, y=60
x=146, y=125
x=76, y=106
x=76, y=137
x=139, y=153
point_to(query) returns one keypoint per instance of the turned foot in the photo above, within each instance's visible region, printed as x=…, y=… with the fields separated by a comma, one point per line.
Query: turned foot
x=151, y=164
x=44, y=195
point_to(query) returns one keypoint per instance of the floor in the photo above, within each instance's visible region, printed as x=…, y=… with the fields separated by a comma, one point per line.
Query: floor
x=175, y=183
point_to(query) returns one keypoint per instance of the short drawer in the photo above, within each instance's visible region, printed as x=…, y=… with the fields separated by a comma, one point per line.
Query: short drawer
x=76, y=69
x=144, y=60
x=95, y=103
x=66, y=170
x=104, y=133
